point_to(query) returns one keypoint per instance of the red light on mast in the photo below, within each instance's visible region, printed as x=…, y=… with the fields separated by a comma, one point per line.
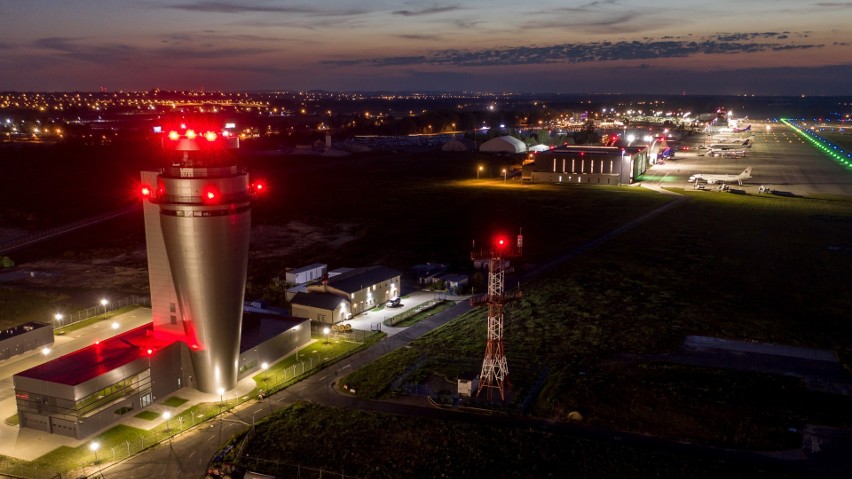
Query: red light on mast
x=210, y=194
x=145, y=191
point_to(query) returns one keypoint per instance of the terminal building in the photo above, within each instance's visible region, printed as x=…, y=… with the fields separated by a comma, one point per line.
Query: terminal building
x=596, y=165
x=197, y=223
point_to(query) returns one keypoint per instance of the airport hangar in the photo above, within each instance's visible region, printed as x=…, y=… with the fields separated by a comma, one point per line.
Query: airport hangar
x=197, y=225
x=579, y=164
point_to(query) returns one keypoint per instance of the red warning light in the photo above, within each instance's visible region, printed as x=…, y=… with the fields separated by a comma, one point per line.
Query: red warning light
x=145, y=191
x=210, y=136
x=210, y=194
x=190, y=134
x=173, y=135
x=150, y=351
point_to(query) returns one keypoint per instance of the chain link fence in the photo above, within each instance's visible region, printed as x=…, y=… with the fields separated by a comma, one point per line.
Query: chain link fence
x=112, y=305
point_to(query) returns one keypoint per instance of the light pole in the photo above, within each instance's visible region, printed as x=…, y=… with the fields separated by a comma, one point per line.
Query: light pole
x=104, y=303
x=504, y=174
x=59, y=317
x=478, y=171
x=221, y=392
x=325, y=331
x=265, y=366
x=167, y=415
x=94, y=448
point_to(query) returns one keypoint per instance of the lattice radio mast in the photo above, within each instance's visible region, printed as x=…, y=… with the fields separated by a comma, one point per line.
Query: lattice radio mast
x=495, y=370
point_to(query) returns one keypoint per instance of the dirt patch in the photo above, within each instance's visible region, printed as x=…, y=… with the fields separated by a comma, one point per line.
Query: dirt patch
x=271, y=241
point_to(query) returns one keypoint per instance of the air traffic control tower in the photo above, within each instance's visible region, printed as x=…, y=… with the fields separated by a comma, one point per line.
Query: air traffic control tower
x=197, y=222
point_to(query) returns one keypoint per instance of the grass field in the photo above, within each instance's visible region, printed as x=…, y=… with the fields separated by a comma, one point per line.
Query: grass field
x=422, y=447
x=760, y=268
x=20, y=306
x=743, y=267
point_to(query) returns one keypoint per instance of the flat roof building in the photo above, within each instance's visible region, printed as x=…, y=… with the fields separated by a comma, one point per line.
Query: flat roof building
x=581, y=164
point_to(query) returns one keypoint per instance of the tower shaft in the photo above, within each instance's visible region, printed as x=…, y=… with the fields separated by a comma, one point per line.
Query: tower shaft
x=200, y=222
x=495, y=369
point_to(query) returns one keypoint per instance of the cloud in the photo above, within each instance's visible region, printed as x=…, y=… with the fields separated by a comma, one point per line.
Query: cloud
x=107, y=54
x=414, y=36
x=834, y=4
x=577, y=53
x=233, y=7
x=427, y=11
x=73, y=48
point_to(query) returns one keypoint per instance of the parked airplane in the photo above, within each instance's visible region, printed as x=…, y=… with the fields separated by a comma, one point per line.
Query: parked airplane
x=727, y=153
x=741, y=130
x=711, y=179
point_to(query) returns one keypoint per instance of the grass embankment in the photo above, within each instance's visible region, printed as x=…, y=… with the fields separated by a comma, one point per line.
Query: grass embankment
x=423, y=447
x=414, y=316
x=21, y=306
x=742, y=267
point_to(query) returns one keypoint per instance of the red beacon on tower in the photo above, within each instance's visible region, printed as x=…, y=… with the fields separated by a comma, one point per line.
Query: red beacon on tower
x=495, y=368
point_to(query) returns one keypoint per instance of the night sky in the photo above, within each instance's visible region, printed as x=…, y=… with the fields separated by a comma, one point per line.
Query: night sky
x=763, y=47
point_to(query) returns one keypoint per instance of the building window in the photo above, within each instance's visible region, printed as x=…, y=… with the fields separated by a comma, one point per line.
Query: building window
x=173, y=319
x=172, y=308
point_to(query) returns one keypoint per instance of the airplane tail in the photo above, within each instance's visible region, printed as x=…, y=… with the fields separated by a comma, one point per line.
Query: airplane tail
x=746, y=174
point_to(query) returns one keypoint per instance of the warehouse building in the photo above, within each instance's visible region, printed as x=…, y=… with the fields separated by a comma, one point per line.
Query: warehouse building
x=607, y=165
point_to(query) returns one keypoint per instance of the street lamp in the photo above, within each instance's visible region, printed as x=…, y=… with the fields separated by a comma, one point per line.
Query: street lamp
x=504, y=174
x=59, y=317
x=325, y=331
x=265, y=366
x=167, y=415
x=94, y=448
x=478, y=171
x=104, y=303
x=221, y=392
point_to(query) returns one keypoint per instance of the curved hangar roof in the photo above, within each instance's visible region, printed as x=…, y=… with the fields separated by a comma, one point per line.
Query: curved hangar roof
x=504, y=144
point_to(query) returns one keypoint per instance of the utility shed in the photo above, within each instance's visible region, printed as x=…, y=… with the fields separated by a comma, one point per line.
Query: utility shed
x=306, y=274
x=468, y=384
